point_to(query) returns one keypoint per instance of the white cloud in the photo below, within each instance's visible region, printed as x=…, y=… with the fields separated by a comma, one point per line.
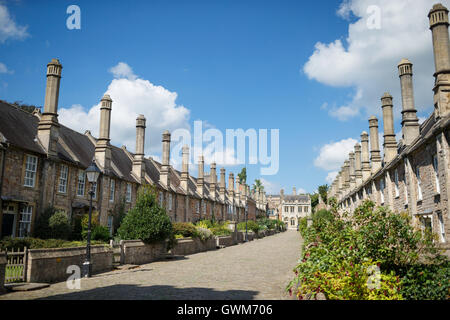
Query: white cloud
x=8, y=27
x=367, y=59
x=333, y=155
x=270, y=187
x=331, y=176
x=132, y=97
x=4, y=69
x=123, y=70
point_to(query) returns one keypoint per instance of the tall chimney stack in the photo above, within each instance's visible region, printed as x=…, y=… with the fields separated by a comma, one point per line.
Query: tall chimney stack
x=48, y=128
x=358, y=165
x=294, y=191
x=346, y=176
x=375, y=156
x=164, y=176
x=410, y=122
x=390, y=144
x=222, y=186
x=438, y=17
x=102, y=147
x=365, y=157
x=138, y=161
x=201, y=175
x=185, y=168
x=213, y=183
x=352, y=170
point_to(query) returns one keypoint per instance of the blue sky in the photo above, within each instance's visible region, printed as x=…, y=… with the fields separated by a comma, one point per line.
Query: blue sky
x=234, y=64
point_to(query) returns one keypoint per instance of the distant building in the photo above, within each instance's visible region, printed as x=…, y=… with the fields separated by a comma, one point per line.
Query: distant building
x=290, y=208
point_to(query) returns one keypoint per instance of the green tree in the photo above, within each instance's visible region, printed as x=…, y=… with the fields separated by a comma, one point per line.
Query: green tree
x=258, y=186
x=323, y=191
x=243, y=176
x=147, y=221
x=60, y=226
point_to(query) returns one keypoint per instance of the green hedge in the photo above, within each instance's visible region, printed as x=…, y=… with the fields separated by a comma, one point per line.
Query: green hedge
x=35, y=243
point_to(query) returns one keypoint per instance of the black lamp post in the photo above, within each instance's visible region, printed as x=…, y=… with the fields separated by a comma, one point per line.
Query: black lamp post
x=92, y=173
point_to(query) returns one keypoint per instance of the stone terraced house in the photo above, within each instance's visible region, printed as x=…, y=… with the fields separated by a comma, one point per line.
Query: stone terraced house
x=43, y=162
x=414, y=175
x=290, y=208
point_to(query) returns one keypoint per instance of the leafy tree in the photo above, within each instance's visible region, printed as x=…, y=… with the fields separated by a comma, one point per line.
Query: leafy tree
x=243, y=176
x=25, y=107
x=60, y=226
x=258, y=186
x=147, y=221
x=323, y=191
x=41, y=229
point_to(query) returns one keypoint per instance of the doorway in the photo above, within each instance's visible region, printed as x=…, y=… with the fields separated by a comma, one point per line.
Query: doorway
x=9, y=222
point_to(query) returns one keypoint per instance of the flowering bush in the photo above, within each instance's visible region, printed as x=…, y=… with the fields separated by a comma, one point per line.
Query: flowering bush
x=343, y=257
x=203, y=234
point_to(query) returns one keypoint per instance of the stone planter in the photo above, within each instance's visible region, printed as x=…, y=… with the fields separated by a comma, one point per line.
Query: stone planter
x=50, y=265
x=2, y=271
x=226, y=241
x=137, y=252
x=187, y=246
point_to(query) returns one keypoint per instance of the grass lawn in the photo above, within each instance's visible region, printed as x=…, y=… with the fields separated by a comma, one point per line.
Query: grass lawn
x=13, y=271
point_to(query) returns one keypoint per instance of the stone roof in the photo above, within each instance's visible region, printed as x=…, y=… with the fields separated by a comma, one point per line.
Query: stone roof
x=299, y=198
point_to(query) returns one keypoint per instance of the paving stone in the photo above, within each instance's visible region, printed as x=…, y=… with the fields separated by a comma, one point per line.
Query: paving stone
x=254, y=270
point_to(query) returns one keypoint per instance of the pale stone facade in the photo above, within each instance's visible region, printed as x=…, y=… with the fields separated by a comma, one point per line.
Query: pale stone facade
x=290, y=208
x=42, y=164
x=414, y=175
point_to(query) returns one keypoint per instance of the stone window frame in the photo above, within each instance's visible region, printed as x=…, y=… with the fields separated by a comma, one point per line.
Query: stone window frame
x=63, y=178
x=27, y=171
x=382, y=187
x=396, y=185
x=169, y=202
x=26, y=222
x=161, y=199
x=81, y=183
x=418, y=184
x=435, y=164
x=112, y=190
x=440, y=218
x=128, y=193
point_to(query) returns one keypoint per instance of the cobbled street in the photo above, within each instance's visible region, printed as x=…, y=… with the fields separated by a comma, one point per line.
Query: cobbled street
x=260, y=269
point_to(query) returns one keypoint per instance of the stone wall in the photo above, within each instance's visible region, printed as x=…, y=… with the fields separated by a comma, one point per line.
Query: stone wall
x=2, y=271
x=50, y=265
x=188, y=246
x=226, y=241
x=137, y=252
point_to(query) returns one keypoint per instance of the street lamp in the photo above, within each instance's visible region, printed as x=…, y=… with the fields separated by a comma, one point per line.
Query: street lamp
x=246, y=214
x=92, y=173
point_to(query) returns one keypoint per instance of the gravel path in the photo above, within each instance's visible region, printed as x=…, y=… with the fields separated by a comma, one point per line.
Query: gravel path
x=260, y=269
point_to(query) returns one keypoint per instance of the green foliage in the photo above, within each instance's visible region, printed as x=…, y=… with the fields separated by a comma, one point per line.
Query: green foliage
x=205, y=224
x=251, y=226
x=203, y=234
x=302, y=225
x=100, y=233
x=36, y=243
x=59, y=226
x=184, y=229
x=41, y=228
x=323, y=191
x=77, y=229
x=426, y=282
x=338, y=252
x=322, y=214
x=119, y=214
x=221, y=231
x=147, y=221
x=243, y=176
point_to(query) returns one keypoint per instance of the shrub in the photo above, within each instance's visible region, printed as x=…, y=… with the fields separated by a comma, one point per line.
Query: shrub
x=251, y=225
x=77, y=229
x=337, y=253
x=147, y=221
x=59, y=226
x=42, y=229
x=221, y=231
x=322, y=214
x=302, y=225
x=184, y=229
x=203, y=234
x=35, y=243
x=100, y=233
x=208, y=224
x=202, y=225
x=426, y=282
